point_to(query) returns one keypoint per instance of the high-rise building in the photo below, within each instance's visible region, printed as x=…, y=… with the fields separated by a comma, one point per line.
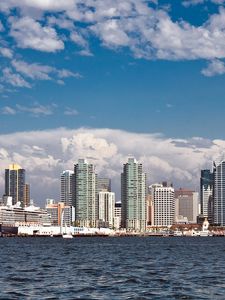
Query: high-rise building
x=106, y=204
x=219, y=194
x=103, y=184
x=163, y=204
x=86, y=202
x=67, y=188
x=15, y=183
x=187, y=205
x=206, y=194
x=133, y=196
x=27, y=195
x=150, y=210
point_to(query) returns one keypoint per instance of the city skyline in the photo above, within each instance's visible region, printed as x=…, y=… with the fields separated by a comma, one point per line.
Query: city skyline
x=89, y=202
x=66, y=183
x=105, y=79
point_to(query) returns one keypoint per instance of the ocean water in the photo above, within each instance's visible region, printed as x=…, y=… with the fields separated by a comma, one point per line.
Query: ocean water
x=112, y=268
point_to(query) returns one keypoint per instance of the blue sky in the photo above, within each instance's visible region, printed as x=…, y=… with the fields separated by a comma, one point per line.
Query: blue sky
x=155, y=68
x=109, y=84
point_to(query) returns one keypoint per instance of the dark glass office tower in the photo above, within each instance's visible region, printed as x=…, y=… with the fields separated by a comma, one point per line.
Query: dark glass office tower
x=206, y=194
x=15, y=183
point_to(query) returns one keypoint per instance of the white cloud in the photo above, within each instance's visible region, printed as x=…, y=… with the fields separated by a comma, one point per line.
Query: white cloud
x=30, y=34
x=70, y=112
x=111, y=33
x=37, y=109
x=33, y=71
x=215, y=67
x=60, y=82
x=59, y=5
x=218, y=1
x=7, y=110
x=148, y=33
x=1, y=27
x=37, y=71
x=81, y=41
x=14, y=79
x=44, y=154
x=78, y=39
x=6, y=52
x=66, y=73
x=188, y=3
x=85, y=52
x=61, y=22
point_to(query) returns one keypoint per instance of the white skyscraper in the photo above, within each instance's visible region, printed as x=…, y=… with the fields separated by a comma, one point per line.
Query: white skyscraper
x=117, y=217
x=67, y=185
x=106, y=205
x=163, y=203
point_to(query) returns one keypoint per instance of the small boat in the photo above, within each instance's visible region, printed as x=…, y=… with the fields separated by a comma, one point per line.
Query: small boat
x=67, y=236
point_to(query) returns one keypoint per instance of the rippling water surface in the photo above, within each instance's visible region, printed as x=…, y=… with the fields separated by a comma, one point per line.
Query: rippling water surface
x=112, y=268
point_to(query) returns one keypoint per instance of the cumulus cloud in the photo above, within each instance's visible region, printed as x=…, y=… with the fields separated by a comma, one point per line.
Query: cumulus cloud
x=29, y=33
x=6, y=52
x=33, y=71
x=148, y=32
x=44, y=154
x=111, y=33
x=14, y=79
x=215, y=67
x=59, y=5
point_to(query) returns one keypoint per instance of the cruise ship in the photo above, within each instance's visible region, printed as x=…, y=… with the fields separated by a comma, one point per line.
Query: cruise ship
x=13, y=216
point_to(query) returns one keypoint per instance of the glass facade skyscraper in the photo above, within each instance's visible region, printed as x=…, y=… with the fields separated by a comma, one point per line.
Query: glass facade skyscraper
x=133, y=196
x=206, y=194
x=86, y=202
x=67, y=187
x=219, y=194
x=15, y=185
